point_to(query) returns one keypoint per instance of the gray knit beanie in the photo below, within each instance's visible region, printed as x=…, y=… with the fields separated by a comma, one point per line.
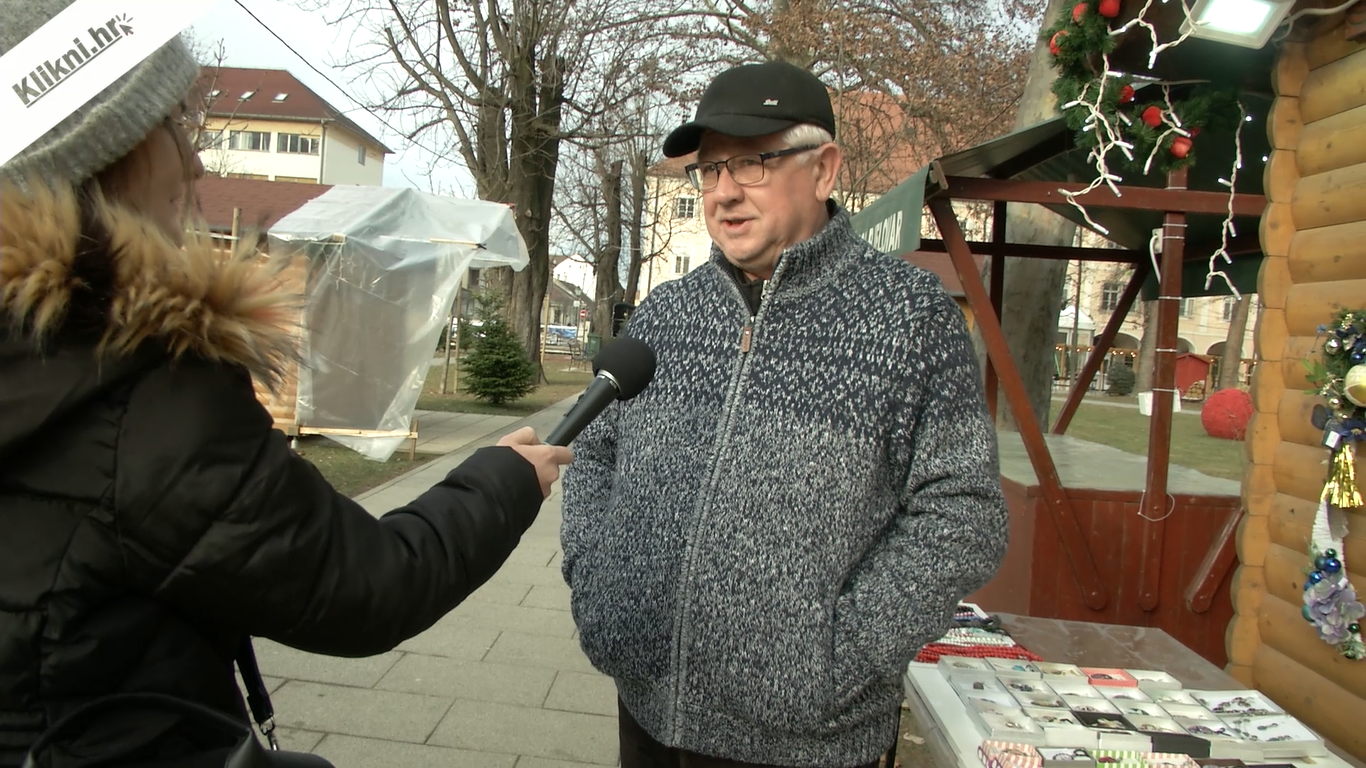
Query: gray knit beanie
x=111, y=124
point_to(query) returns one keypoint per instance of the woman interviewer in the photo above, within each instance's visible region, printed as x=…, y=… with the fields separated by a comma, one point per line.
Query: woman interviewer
x=150, y=517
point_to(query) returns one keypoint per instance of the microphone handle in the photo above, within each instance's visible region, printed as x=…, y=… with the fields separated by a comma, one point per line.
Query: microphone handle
x=592, y=402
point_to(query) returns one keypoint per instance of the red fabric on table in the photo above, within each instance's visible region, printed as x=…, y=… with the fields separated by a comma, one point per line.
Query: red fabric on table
x=931, y=653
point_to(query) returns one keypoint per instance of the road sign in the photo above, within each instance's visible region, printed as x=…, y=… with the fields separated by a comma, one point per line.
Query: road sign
x=583, y=314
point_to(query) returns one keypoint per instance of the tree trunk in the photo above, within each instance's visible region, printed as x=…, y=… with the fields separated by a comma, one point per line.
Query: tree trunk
x=1147, y=349
x=606, y=265
x=639, y=167
x=1034, y=287
x=1232, y=363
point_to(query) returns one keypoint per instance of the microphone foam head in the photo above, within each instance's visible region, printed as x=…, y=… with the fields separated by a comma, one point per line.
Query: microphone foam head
x=630, y=361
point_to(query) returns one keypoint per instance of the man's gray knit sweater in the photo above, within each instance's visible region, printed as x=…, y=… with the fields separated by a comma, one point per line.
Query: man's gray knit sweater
x=760, y=542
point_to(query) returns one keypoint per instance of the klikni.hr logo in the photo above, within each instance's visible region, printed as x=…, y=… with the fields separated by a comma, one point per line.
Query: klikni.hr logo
x=53, y=72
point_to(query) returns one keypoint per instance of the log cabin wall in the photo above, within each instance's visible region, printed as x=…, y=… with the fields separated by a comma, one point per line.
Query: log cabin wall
x=1314, y=238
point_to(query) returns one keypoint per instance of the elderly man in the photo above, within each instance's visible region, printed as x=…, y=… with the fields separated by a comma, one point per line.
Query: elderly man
x=759, y=543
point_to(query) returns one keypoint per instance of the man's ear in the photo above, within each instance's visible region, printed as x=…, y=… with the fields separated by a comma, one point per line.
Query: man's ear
x=829, y=159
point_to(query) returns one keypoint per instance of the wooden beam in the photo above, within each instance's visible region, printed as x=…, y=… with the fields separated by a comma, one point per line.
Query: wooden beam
x=1222, y=554
x=998, y=289
x=1154, y=508
x=1029, y=251
x=1055, y=497
x=1101, y=348
x=1135, y=198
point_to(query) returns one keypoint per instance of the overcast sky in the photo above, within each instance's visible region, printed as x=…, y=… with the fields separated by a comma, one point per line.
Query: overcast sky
x=248, y=45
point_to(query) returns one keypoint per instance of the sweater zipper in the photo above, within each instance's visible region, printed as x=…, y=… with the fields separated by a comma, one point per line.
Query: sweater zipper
x=689, y=550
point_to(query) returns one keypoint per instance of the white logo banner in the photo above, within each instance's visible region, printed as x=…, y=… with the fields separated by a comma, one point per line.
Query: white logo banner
x=77, y=54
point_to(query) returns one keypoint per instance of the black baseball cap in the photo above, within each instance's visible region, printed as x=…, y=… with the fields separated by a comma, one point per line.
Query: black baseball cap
x=755, y=100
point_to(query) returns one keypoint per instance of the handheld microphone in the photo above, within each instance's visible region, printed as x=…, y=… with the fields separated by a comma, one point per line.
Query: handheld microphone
x=623, y=369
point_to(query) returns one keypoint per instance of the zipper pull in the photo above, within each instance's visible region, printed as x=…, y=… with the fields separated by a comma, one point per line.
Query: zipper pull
x=745, y=337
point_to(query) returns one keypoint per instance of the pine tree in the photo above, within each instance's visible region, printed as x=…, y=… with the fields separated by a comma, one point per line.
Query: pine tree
x=496, y=366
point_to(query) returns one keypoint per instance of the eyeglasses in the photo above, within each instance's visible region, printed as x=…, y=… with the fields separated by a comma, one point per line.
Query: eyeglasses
x=744, y=169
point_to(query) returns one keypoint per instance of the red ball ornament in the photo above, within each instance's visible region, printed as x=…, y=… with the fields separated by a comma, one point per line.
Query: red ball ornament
x=1226, y=414
x=1195, y=132
x=1152, y=116
x=1079, y=11
x=1126, y=94
x=1108, y=8
x=1181, y=146
x=1053, y=42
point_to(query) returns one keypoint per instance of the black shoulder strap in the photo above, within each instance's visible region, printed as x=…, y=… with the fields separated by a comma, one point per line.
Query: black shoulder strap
x=258, y=698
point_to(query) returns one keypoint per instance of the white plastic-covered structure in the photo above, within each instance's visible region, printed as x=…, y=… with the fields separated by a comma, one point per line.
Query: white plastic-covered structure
x=384, y=266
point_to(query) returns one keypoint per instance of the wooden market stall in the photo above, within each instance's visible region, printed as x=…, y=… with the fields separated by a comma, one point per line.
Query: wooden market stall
x=1314, y=237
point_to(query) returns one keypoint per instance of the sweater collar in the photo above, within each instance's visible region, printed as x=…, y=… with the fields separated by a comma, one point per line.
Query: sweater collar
x=808, y=260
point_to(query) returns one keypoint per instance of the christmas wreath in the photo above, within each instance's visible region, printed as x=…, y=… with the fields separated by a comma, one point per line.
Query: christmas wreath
x=1147, y=125
x=1330, y=601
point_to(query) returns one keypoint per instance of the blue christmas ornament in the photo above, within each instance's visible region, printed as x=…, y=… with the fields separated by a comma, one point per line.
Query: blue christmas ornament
x=1320, y=562
x=1332, y=565
x=1306, y=613
x=1315, y=577
x=1330, y=553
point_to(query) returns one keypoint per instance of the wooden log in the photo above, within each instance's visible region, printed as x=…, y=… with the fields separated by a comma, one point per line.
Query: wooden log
x=1294, y=418
x=1253, y=540
x=1280, y=175
x=1332, y=197
x=1285, y=574
x=1242, y=673
x=1247, y=588
x=1283, y=126
x=1242, y=639
x=1257, y=476
x=1274, y=282
x=1267, y=386
x=1270, y=335
x=1301, y=470
x=1263, y=438
x=1329, y=45
x=1283, y=627
x=1333, y=88
x=1334, y=142
x=1329, y=254
x=1332, y=711
x=1290, y=70
x=1313, y=304
x=1276, y=229
x=1291, y=524
x=1297, y=349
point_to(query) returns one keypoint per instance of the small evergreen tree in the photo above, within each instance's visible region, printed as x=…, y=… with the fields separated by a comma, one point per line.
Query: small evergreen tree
x=497, y=370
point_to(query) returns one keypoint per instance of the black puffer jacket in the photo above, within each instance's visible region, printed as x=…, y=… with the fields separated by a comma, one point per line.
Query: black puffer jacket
x=149, y=515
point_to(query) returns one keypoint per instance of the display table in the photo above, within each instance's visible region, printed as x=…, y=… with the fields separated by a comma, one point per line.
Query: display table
x=953, y=737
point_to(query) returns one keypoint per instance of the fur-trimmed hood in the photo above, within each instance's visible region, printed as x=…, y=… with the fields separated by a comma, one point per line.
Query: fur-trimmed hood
x=98, y=279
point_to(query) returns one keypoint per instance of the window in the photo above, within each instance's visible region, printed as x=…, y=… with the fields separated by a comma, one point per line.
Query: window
x=250, y=141
x=681, y=264
x=1109, y=296
x=248, y=95
x=1188, y=307
x=360, y=155
x=685, y=207
x=296, y=144
x=1229, y=304
x=210, y=139
x=279, y=97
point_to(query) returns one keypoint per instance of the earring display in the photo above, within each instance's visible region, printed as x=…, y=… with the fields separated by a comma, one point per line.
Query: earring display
x=1236, y=703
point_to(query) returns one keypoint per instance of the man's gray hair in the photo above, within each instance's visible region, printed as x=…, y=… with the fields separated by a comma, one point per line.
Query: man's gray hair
x=806, y=135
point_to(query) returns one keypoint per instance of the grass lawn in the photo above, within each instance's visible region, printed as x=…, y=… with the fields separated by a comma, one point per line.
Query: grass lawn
x=563, y=383
x=1127, y=430
x=348, y=471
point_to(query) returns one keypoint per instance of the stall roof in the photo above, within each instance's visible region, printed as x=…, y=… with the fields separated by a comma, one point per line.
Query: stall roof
x=1046, y=152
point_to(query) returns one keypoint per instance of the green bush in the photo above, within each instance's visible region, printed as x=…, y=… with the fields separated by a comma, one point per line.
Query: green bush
x=1121, y=379
x=497, y=370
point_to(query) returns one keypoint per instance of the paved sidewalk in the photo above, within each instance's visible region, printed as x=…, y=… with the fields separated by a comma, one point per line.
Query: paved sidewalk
x=499, y=682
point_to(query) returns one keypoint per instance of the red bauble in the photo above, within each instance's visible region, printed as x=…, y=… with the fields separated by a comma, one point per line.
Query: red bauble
x=1108, y=8
x=1153, y=116
x=1195, y=132
x=1126, y=94
x=1181, y=146
x=1053, y=42
x=1226, y=414
x=1078, y=11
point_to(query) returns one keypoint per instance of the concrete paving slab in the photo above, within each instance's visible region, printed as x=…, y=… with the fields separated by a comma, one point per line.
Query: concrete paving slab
x=577, y=692
x=539, y=651
x=452, y=639
x=471, y=680
x=515, y=618
x=295, y=740
x=356, y=752
x=535, y=732
x=541, y=762
x=553, y=597
x=358, y=711
x=503, y=592
x=531, y=575
x=285, y=662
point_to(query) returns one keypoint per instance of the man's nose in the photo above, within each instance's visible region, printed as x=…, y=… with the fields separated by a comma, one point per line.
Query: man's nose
x=726, y=188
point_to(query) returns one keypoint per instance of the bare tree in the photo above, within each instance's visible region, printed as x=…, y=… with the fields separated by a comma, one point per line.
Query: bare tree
x=1230, y=367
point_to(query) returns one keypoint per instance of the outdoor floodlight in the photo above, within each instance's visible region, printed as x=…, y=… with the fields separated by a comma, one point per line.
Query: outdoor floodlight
x=1248, y=23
